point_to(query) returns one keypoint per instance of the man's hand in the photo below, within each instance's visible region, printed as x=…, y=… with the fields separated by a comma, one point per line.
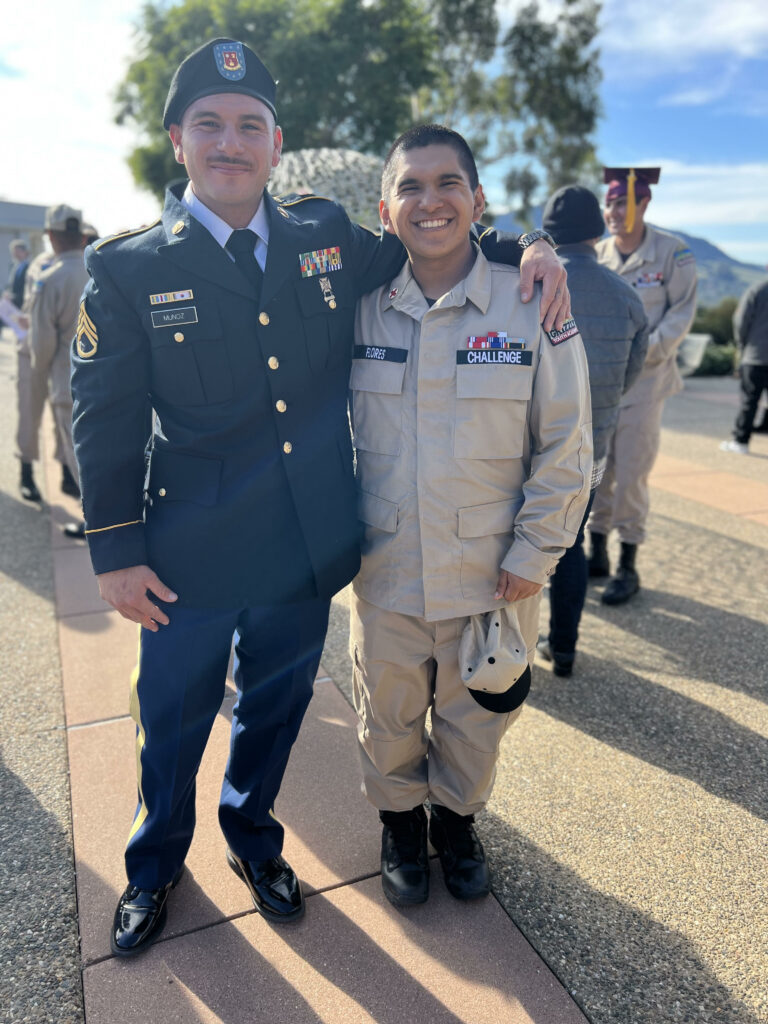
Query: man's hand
x=540, y=262
x=515, y=588
x=126, y=590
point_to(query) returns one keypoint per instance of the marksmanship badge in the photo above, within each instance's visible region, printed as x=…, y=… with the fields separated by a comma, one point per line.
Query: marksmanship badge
x=230, y=61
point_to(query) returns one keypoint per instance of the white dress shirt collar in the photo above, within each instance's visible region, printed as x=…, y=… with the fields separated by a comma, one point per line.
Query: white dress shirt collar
x=219, y=228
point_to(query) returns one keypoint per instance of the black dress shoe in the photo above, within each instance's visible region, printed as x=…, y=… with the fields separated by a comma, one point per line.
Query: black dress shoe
x=461, y=853
x=404, y=858
x=562, y=661
x=74, y=530
x=273, y=885
x=139, y=918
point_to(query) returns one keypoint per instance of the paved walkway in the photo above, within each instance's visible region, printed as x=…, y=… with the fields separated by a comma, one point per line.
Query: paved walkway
x=627, y=827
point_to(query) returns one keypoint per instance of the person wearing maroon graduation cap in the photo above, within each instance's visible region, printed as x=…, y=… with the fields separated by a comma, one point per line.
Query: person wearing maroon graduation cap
x=663, y=271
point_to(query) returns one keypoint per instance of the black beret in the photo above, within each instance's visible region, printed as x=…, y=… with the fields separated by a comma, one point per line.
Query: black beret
x=572, y=214
x=219, y=66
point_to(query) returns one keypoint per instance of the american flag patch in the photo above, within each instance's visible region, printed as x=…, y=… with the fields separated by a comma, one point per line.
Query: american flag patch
x=321, y=261
x=163, y=297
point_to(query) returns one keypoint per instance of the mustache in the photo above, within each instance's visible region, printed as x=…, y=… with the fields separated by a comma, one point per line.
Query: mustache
x=231, y=160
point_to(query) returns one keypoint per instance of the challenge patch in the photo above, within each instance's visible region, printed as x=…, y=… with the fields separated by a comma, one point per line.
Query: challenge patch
x=320, y=261
x=387, y=355
x=230, y=61
x=494, y=356
x=174, y=317
x=162, y=297
x=567, y=331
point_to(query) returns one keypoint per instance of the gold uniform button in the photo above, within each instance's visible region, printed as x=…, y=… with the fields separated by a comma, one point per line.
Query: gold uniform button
x=178, y=336
x=273, y=362
x=332, y=304
x=162, y=492
x=264, y=319
x=178, y=227
x=287, y=447
x=280, y=405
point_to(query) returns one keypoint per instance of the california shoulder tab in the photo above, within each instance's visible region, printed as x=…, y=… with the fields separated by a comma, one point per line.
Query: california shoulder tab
x=567, y=331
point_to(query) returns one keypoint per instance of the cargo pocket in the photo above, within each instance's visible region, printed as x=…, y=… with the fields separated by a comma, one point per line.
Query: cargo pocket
x=377, y=405
x=491, y=411
x=486, y=533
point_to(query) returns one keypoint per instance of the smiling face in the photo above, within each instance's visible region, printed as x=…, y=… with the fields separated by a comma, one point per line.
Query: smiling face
x=229, y=144
x=615, y=214
x=431, y=204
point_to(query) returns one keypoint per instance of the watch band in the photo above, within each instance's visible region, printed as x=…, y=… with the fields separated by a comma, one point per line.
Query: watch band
x=533, y=236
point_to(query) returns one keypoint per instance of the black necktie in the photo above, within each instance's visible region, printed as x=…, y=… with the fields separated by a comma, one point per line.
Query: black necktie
x=242, y=244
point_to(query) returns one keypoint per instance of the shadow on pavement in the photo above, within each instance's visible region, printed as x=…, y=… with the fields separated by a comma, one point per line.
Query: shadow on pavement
x=663, y=728
x=620, y=965
x=38, y=916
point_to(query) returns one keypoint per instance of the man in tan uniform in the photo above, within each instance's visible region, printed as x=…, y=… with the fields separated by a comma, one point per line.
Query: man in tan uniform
x=663, y=270
x=473, y=442
x=53, y=323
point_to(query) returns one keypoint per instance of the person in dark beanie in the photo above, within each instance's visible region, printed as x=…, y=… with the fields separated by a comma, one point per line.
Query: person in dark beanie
x=614, y=330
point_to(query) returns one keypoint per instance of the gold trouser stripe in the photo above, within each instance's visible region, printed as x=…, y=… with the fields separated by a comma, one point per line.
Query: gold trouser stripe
x=101, y=529
x=136, y=716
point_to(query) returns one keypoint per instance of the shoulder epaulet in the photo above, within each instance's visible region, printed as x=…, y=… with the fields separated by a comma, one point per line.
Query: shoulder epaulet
x=292, y=198
x=125, y=234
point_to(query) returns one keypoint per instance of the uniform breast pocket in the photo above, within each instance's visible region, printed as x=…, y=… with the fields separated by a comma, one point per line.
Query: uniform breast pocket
x=190, y=363
x=327, y=316
x=377, y=405
x=491, y=410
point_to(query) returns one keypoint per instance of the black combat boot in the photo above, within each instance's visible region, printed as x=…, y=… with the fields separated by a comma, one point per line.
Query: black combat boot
x=626, y=582
x=68, y=483
x=404, y=858
x=27, y=486
x=461, y=853
x=597, y=562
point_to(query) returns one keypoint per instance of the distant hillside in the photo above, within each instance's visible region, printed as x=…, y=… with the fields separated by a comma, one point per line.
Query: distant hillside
x=720, y=276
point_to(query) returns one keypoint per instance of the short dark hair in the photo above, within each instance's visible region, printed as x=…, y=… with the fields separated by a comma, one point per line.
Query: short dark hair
x=420, y=136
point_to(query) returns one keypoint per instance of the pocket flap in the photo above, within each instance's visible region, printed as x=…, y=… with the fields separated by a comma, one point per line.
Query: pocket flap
x=378, y=512
x=485, y=520
x=184, y=477
x=312, y=297
x=495, y=381
x=380, y=376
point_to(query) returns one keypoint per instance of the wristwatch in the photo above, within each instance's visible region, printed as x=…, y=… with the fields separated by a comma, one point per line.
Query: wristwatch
x=533, y=236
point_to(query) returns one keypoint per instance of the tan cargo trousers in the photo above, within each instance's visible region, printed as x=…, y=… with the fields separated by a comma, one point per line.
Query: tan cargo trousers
x=404, y=667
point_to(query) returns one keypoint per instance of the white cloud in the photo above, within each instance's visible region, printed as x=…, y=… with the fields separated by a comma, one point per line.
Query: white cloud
x=685, y=28
x=693, y=195
x=58, y=106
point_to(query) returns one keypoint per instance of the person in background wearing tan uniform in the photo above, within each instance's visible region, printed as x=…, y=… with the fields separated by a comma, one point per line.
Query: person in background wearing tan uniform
x=473, y=438
x=53, y=324
x=663, y=270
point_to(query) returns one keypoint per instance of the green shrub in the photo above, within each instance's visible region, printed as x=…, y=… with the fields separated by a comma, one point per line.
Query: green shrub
x=717, y=321
x=718, y=361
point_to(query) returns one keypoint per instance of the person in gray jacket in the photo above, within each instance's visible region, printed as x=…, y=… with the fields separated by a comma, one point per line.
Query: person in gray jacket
x=614, y=329
x=750, y=330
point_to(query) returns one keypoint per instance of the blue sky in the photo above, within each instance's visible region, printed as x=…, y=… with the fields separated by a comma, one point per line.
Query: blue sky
x=685, y=85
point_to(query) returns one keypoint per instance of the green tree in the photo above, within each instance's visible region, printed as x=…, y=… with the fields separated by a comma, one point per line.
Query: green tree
x=717, y=321
x=547, y=96
x=347, y=69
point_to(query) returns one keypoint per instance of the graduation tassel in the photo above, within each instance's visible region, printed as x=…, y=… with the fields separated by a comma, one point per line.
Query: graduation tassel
x=630, y=218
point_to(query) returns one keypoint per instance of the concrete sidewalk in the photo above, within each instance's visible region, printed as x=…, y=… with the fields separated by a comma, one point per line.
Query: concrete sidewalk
x=627, y=829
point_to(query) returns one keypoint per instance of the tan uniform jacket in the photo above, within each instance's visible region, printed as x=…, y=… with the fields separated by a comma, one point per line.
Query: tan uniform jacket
x=53, y=320
x=663, y=272
x=467, y=460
